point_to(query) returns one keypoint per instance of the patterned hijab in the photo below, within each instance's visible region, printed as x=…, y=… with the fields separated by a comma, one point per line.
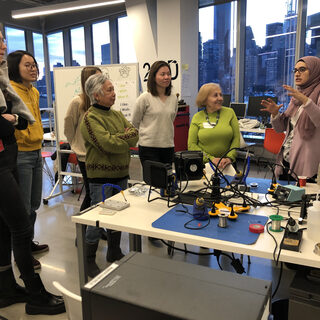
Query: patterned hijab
x=311, y=89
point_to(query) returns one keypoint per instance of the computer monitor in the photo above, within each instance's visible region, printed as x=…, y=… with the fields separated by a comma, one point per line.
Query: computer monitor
x=226, y=100
x=254, y=106
x=239, y=109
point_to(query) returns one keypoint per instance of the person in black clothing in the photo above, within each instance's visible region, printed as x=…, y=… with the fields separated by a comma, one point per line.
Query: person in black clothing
x=15, y=227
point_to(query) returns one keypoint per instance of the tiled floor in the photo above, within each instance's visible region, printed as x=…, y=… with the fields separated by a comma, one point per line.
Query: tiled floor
x=54, y=227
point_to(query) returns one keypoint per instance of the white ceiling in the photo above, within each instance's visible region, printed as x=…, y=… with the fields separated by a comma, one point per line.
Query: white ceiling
x=35, y=3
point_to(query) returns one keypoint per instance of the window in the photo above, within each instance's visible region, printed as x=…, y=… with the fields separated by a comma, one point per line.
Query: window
x=15, y=39
x=41, y=84
x=56, y=55
x=39, y=55
x=312, y=47
x=78, y=47
x=270, y=48
x=127, y=52
x=101, y=43
x=217, y=30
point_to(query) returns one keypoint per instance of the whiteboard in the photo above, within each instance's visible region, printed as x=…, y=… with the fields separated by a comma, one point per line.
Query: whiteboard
x=67, y=84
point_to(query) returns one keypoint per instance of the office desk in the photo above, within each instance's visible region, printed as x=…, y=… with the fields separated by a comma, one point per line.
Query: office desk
x=138, y=218
x=253, y=130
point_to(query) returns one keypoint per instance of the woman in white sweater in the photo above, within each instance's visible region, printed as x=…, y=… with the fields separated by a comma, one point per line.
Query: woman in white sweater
x=76, y=110
x=153, y=116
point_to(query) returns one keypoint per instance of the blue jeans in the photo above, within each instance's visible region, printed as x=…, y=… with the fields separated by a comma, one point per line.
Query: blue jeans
x=93, y=234
x=30, y=180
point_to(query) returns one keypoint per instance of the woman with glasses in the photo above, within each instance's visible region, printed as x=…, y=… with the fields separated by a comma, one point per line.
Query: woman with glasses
x=15, y=226
x=23, y=71
x=301, y=121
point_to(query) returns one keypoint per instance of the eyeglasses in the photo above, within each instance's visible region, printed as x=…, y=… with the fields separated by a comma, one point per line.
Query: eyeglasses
x=300, y=70
x=3, y=41
x=30, y=66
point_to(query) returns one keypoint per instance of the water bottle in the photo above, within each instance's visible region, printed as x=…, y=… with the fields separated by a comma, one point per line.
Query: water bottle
x=313, y=227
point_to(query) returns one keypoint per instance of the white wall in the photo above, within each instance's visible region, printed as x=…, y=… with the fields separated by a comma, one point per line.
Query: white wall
x=167, y=30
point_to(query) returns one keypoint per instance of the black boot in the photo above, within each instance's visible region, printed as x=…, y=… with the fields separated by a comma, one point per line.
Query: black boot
x=40, y=301
x=93, y=269
x=10, y=291
x=114, y=251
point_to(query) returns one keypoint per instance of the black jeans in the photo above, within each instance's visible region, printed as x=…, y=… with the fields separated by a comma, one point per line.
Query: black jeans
x=87, y=200
x=15, y=227
x=163, y=155
x=287, y=174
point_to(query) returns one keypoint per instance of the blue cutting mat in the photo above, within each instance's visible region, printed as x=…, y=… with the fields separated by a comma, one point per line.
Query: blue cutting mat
x=237, y=230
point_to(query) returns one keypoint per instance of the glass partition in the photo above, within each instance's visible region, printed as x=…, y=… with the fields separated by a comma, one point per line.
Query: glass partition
x=15, y=39
x=56, y=55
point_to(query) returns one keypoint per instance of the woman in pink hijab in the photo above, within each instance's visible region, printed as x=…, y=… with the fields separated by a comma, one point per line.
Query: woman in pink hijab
x=301, y=121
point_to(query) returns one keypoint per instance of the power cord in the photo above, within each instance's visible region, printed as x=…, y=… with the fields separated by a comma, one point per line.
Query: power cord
x=235, y=262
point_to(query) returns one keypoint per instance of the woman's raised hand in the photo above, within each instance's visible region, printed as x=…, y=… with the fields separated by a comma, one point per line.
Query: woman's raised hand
x=270, y=106
x=296, y=94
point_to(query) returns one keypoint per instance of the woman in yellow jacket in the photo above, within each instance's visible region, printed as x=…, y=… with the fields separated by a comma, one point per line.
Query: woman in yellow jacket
x=23, y=70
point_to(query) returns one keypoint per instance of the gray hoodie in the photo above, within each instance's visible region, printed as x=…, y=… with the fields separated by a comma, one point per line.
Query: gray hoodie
x=18, y=106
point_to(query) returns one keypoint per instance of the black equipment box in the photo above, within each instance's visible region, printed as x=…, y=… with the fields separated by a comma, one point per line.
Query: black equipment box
x=145, y=287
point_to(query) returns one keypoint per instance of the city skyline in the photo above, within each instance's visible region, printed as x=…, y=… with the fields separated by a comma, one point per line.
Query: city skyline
x=267, y=67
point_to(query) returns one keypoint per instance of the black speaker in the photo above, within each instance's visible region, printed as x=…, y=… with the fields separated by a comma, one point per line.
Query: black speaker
x=189, y=165
x=157, y=174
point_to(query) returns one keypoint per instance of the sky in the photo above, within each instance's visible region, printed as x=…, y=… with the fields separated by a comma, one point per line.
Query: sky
x=126, y=48
x=55, y=47
x=38, y=52
x=101, y=35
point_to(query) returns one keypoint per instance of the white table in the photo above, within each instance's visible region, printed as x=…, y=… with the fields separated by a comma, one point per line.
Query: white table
x=138, y=218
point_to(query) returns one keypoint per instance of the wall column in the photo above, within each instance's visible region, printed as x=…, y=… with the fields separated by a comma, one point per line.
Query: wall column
x=167, y=30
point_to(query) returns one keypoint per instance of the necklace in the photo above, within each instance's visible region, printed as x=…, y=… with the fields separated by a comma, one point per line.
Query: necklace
x=215, y=123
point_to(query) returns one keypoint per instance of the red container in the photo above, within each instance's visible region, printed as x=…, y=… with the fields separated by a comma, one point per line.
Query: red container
x=181, y=128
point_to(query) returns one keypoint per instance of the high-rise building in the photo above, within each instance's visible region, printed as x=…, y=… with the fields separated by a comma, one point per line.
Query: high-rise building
x=105, y=54
x=221, y=31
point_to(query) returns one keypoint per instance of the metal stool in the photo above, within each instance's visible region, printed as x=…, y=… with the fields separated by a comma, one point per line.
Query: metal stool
x=45, y=167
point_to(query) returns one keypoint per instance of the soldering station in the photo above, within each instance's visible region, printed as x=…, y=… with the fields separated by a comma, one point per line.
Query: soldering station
x=206, y=201
x=218, y=208
x=223, y=199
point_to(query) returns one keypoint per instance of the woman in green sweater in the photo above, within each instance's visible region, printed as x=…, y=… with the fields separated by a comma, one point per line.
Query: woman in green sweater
x=108, y=136
x=215, y=129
